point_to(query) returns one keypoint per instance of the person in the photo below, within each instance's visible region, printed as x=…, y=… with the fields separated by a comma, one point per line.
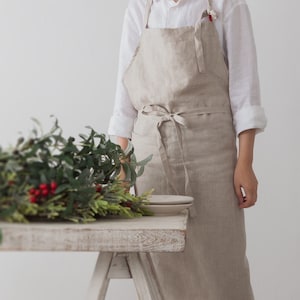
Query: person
x=187, y=89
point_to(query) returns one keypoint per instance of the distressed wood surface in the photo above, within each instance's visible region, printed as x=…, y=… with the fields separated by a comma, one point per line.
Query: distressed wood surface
x=148, y=268
x=100, y=281
x=144, y=287
x=145, y=234
x=138, y=266
x=119, y=266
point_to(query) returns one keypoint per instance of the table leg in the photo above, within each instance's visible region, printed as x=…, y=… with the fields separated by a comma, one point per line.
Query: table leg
x=143, y=275
x=137, y=266
x=99, y=283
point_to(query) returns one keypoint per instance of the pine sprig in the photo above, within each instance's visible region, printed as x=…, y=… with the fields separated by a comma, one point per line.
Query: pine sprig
x=50, y=177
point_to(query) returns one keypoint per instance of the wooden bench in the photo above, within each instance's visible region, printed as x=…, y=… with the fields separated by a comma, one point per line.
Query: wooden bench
x=123, y=245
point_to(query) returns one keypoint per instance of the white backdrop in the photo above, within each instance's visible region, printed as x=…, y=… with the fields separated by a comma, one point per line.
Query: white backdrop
x=60, y=57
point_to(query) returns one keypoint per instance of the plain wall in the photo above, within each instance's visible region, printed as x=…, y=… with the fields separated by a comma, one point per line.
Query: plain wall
x=60, y=57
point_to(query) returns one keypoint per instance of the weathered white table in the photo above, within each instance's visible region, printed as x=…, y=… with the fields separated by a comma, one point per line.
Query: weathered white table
x=123, y=245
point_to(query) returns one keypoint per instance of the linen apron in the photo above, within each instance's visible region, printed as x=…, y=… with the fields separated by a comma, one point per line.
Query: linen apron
x=178, y=82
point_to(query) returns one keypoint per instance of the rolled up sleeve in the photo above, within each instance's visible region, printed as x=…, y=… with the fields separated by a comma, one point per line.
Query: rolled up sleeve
x=244, y=86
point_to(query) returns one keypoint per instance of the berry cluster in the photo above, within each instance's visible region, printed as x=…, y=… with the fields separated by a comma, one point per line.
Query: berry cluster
x=43, y=191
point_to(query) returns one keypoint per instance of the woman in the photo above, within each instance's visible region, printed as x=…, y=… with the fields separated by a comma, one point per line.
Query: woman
x=187, y=88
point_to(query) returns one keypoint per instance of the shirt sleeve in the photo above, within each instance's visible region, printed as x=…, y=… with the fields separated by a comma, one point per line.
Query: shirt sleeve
x=244, y=87
x=124, y=114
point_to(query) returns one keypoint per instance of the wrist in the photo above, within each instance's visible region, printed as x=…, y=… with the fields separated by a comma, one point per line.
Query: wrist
x=245, y=162
x=128, y=148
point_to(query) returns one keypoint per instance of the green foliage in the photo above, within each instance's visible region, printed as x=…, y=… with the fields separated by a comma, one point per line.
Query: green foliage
x=49, y=177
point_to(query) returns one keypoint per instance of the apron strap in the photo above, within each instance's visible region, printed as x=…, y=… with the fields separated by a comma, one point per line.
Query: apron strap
x=210, y=13
x=209, y=4
x=147, y=12
x=199, y=46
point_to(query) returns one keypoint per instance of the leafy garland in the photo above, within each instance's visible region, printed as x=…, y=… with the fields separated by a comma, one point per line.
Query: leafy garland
x=49, y=177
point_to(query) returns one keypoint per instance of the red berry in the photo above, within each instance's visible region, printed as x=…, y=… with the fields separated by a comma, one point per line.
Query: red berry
x=32, y=191
x=45, y=192
x=11, y=182
x=53, y=185
x=37, y=192
x=43, y=186
x=99, y=188
x=33, y=199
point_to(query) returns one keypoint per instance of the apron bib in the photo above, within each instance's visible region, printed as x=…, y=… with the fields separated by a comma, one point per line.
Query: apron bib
x=177, y=80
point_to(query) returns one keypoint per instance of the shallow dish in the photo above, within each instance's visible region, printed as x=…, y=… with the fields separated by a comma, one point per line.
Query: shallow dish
x=167, y=209
x=170, y=199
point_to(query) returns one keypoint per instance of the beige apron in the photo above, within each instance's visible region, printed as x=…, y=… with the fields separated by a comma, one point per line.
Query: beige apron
x=178, y=82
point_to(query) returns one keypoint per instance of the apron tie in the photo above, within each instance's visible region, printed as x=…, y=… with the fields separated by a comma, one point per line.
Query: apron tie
x=177, y=120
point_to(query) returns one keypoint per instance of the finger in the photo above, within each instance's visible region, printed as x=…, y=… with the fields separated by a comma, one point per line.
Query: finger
x=238, y=192
x=246, y=204
x=249, y=199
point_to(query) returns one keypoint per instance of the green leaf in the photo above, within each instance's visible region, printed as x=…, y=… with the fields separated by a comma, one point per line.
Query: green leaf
x=144, y=161
x=83, y=178
x=8, y=211
x=140, y=171
x=127, y=171
x=62, y=188
x=69, y=207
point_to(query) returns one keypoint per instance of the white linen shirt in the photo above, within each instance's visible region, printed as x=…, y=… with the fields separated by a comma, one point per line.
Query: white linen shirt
x=235, y=33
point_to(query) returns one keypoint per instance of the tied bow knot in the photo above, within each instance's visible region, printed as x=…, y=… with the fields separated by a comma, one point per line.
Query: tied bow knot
x=174, y=117
x=164, y=114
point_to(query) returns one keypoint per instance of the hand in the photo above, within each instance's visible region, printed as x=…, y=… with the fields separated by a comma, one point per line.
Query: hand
x=121, y=177
x=244, y=177
x=123, y=142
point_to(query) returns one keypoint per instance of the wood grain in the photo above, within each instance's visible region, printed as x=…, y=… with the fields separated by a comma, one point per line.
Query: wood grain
x=145, y=234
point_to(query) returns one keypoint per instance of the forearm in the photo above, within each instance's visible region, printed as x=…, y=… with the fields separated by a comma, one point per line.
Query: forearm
x=244, y=177
x=246, y=146
x=123, y=142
